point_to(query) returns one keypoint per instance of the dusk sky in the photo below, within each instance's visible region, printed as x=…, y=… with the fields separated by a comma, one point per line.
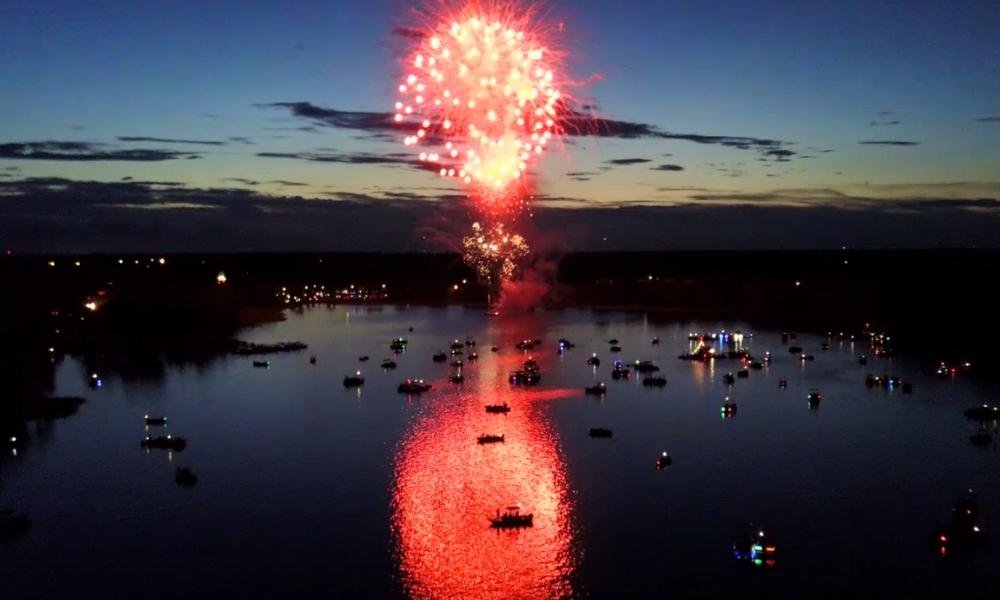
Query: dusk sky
x=860, y=110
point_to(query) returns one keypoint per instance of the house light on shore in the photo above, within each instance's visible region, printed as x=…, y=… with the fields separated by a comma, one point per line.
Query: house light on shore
x=220, y=278
x=91, y=306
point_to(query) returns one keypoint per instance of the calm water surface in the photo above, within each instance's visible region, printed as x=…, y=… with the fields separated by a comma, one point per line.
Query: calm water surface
x=308, y=488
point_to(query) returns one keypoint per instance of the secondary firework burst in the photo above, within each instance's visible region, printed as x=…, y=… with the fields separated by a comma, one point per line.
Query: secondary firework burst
x=480, y=94
x=494, y=252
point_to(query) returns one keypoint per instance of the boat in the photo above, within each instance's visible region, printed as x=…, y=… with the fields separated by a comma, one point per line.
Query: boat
x=352, y=381
x=13, y=524
x=456, y=378
x=525, y=345
x=398, y=344
x=824, y=346
x=489, y=438
x=363, y=358
x=598, y=389
x=645, y=366
x=458, y=352
x=964, y=532
x=164, y=442
x=439, y=357
x=261, y=364
x=804, y=357
x=413, y=386
x=154, y=420
x=663, y=461
x=600, y=432
x=728, y=409
x=613, y=341
x=814, y=398
x=456, y=364
x=530, y=365
x=755, y=545
x=185, y=477
x=655, y=341
x=470, y=342
x=729, y=379
x=756, y=365
x=620, y=371
x=782, y=384
x=985, y=412
x=511, y=518
x=593, y=360
x=472, y=356
x=743, y=373
x=654, y=381
x=862, y=360
x=494, y=349
x=497, y=408
x=615, y=348
x=564, y=343
x=457, y=345
x=795, y=349
x=525, y=377
x=388, y=364
x=312, y=360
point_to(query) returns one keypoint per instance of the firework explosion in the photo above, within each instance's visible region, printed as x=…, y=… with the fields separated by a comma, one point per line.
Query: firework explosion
x=493, y=252
x=479, y=95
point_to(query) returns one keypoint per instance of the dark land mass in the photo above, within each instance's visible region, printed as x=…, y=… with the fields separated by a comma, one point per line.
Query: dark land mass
x=938, y=305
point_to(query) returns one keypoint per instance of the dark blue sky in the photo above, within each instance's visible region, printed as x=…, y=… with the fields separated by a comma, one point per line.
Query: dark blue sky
x=864, y=100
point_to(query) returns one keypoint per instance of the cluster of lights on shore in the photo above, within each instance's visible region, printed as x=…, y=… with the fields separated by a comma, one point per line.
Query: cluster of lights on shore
x=318, y=294
x=483, y=95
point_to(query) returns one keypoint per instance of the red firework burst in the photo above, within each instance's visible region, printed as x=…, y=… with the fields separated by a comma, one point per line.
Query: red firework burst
x=480, y=93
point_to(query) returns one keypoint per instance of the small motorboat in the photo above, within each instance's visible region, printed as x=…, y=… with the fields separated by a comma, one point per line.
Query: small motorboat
x=494, y=349
x=600, y=432
x=663, y=461
x=457, y=352
x=497, y=408
x=613, y=341
x=620, y=372
x=615, y=348
x=728, y=409
x=456, y=364
x=782, y=384
x=743, y=373
x=398, y=345
x=388, y=364
x=645, y=366
x=964, y=531
x=985, y=412
x=729, y=379
x=530, y=365
x=593, y=361
x=824, y=346
x=862, y=360
x=525, y=377
x=767, y=357
x=756, y=365
x=261, y=364
x=312, y=360
x=439, y=357
x=511, y=518
x=154, y=420
x=655, y=341
x=413, y=386
x=814, y=398
x=795, y=349
x=598, y=389
x=353, y=381
x=457, y=345
x=525, y=345
x=456, y=378
x=363, y=358
x=164, y=442
x=489, y=438
x=470, y=342
x=472, y=356
x=185, y=477
x=755, y=545
x=13, y=524
x=654, y=381
x=564, y=343
x=806, y=357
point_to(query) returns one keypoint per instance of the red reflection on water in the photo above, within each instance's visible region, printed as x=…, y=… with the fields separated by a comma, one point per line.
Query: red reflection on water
x=446, y=485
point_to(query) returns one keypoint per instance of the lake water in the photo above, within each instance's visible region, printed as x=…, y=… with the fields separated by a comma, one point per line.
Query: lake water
x=307, y=488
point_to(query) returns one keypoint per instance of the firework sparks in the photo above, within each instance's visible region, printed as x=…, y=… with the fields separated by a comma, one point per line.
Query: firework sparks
x=494, y=252
x=480, y=93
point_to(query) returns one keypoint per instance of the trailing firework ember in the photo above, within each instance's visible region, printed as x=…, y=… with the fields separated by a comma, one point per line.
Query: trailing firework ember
x=480, y=93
